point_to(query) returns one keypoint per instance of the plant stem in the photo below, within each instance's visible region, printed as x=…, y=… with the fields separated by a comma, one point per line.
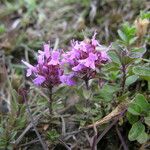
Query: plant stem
x=87, y=84
x=121, y=139
x=123, y=78
x=106, y=130
x=87, y=88
x=33, y=124
x=50, y=102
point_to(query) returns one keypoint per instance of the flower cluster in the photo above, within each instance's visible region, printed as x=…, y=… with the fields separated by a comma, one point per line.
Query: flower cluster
x=84, y=57
x=47, y=72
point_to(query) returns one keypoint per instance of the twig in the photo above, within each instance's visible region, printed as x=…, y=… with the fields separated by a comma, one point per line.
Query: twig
x=94, y=145
x=29, y=143
x=33, y=124
x=121, y=139
x=110, y=126
x=88, y=138
x=72, y=133
x=106, y=130
x=27, y=129
x=63, y=125
x=68, y=148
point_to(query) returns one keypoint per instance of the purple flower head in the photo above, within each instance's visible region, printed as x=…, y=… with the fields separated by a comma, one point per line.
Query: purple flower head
x=47, y=71
x=84, y=58
x=54, y=58
x=68, y=79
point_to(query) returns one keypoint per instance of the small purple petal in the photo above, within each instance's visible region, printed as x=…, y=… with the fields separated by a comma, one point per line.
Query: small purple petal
x=55, y=58
x=83, y=46
x=79, y=67
x=39, y=80
x=30, y=69
x=29, y=72
x=92, y=57
x=47, y=50
x=41, y=59
x=28, y=65
x=67, y=79
x=90, y=61
x=94, y=41
x=104, y=56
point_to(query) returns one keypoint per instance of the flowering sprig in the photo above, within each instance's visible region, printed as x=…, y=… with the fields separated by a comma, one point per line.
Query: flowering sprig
x=48, y=71
x=84, y=58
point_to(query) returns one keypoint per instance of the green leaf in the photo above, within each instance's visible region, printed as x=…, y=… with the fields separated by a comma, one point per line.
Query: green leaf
x=145, y=15
x=86, y=93
x=127, y=60
x=134, y=109
x=128, y=30
x=132, y=40
x=142, y=138
x=52, y=135
x=147, y=120
x=132, y=118
x=122, y=35
x=114, y=57
x=137, y=52
x=143, y=72
x=142, y=102
x=2, y=29
x=106, y=93
x=131, y=79
x=137, y=129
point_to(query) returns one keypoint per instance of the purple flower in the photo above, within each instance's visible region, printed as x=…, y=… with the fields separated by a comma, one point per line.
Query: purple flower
x=48, y=70
x=68, y=79
x=30, y=69
x=46, y=50
x=84, y=58
x=79, y=67
x=39, y=80
x=54, y=58
x=90, y=61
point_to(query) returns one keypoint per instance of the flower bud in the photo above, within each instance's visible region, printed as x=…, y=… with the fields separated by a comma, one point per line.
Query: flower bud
x=141, y=26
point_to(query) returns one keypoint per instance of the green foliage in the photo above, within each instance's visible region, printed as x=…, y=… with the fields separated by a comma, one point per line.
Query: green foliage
x=2, y=29
x=139, y=105
x=131, y=79
x=132, y=118
x=137, y=52
x=127, y=34
x=145, y=15
x=138, y=108
x=31, y=5
x=52, y=135
x=11, y=124
x=106, y=90
x=106, y=93
x=147, y=120
x=138, y=133
x=83, y=3
x=143, y=72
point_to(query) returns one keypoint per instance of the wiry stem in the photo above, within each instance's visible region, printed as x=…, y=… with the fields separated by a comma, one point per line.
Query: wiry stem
x=123, y=78
x=88, y=89
x=87, y=84
x=106, y=130
x=33, y=124
x=50, y=102
x=121, y=139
